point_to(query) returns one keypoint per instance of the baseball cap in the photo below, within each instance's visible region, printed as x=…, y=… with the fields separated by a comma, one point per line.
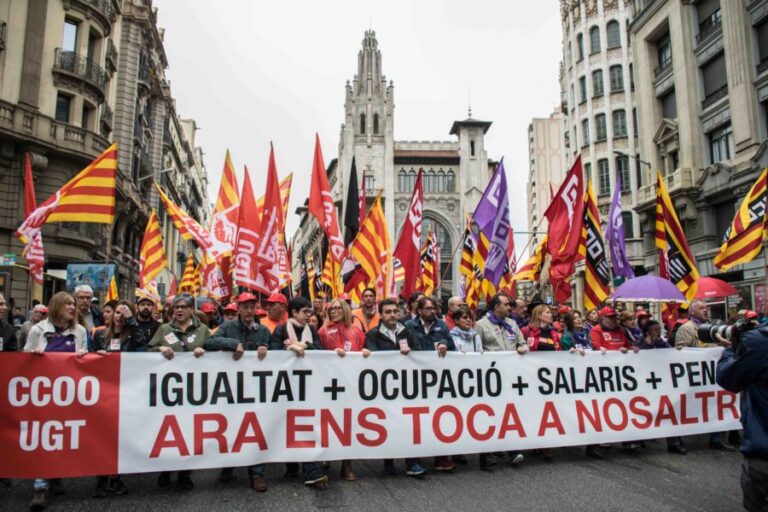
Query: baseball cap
x=750, y=315
x=246, y=297
x=40, y=308
x=641, y=312
x=607, y=311
x=207, y=307
x=278, y=298
x=563, y=310
x=260, y=313
x=231, y=307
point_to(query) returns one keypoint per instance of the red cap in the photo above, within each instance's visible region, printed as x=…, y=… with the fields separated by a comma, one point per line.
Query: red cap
x=260, y=313
x=278, y=298
x=607, y=311
x=345, y=296
x=207, y=307
x=750, y=315
x=640, y=313
x=564, y=310
x=246, y=297
x=231, y=307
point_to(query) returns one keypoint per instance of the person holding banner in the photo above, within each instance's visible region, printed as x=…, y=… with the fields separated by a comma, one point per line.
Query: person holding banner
x=540, y=334
x=238, y=335
x=575, y=338
x=184, y=333
x=7, y=331
x=298, y=336
x=145, y=314
x=60, y=332
x=338, y=334
x=608, y=334
x=431, y=333
x=122, y=335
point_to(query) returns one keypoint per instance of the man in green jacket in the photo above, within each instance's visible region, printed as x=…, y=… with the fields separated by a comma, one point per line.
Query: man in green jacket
x=184, y=333
x=243, y=333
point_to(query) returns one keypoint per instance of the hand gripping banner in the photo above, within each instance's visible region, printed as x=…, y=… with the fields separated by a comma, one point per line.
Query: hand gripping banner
x=127, y=413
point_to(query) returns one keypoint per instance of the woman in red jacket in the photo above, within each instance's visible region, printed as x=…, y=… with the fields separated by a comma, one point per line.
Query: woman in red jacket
x=339, y=334
x=541, y=333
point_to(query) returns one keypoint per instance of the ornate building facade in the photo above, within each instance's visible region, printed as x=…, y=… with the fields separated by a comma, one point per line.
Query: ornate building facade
x=75, y=76
x=702, y=99
x=455, y=171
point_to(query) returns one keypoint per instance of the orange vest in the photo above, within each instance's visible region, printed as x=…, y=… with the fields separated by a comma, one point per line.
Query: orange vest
x=367, y=325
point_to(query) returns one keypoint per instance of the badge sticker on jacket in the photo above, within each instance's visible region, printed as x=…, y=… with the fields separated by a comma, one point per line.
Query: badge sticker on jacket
x=347, y=346
x=171, y=338
x=114, y=344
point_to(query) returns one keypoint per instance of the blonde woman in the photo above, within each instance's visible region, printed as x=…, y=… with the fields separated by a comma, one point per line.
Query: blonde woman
x=60, y=332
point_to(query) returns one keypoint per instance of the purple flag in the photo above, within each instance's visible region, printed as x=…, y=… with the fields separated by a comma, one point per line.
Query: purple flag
x=615, y=236
x=492, y=217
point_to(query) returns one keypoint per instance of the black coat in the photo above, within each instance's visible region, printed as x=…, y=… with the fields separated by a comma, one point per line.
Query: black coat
x=8, y=335
x=280, y=334
x=375, y=340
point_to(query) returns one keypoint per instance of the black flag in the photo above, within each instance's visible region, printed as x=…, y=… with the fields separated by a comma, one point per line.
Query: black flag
x=352, y=208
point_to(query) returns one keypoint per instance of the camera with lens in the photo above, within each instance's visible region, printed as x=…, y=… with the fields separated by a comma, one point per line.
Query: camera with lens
x=732, y=333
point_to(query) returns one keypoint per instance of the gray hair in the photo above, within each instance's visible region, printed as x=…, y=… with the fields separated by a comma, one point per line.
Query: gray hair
x=185, y=298
x=83, y=288
x=454, y=301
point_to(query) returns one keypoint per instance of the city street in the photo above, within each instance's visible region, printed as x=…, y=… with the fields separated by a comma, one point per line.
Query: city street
x=704, y=480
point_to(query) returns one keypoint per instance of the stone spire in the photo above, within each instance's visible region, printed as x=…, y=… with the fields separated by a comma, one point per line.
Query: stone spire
x=369, y=80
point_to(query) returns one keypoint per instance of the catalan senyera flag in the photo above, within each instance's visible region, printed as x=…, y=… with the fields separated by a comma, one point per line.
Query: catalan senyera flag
x=152, y=253
x=428, y=266
x=372, y=250
x=478, y=286
x=88, y=197
x=311, y=276
x=531, y=269
x=285, y=197
x=190, y=279
x=226, y=211
x=671, y=241
x=331, y=276
x=597, y=277
x=190, y=229
x=745, y=236
x=467, y=249
x=112, y=293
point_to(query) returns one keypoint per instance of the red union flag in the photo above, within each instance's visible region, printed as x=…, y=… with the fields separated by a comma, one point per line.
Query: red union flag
x=268, y=247
x=322, y=207
x=408, y=250
x=227, y=210
x=244, y=273
x=565, y=215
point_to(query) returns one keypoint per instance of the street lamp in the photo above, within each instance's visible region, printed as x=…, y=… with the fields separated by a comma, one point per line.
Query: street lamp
x=621, y=153
x=162, y=171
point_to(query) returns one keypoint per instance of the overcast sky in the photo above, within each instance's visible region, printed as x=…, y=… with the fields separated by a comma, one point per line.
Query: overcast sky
x=254, y=72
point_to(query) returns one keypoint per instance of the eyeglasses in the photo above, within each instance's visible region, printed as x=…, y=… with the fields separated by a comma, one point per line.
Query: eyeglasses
x=182, y=306
x=428, y=308
x=335, y=308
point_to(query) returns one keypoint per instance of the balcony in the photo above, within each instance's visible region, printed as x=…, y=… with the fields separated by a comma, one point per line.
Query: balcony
x=714, y=97
x=676, y=180
x=709, y=26
x=72, y=69
x=762, y=67
x=111, y=58
x=144, y=77
x=3, y=31
x=100, y=10
x=662, y=68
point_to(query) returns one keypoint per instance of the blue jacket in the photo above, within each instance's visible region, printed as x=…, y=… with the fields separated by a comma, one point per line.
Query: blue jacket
x=438, y=333
x=746, y=370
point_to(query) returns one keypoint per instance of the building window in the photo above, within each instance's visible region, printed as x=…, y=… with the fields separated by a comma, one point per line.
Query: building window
x=762, y=45
x=580, y=45
x=69, y=40
x=63, y=105
x=604, y=177
x=594, y=40
x=376, y=124
x=583, y=89
x=450, y=181
x=634, y=120
x=402, y=181
x=622, y=169
x=631, y=77
x=588, y=171
x=613, y=34
x=669, y=105
x=619, y=123
x=715, y=80
x=597, y=83
x=626, y=219
x=412, y=176
x=721, y=144
x=664, y=49
x=674, y=160
x=431, y=182
x=617, y=78
x=87, y=116
x=601, y=132
x=585, y=131
x=638, y=171
x=369, y=180
x=724, y=213
x=362, y=124
x=708, y=12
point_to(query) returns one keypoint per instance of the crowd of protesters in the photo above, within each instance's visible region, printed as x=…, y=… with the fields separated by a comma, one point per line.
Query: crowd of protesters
x=73, y=322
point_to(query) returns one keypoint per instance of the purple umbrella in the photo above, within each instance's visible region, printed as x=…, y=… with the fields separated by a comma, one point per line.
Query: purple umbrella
x=648, y=289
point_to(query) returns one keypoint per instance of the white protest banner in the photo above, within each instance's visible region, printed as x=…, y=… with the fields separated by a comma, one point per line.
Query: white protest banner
x=210, y=412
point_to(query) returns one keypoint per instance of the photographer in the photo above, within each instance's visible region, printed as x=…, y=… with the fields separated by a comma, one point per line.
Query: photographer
x=744, y=368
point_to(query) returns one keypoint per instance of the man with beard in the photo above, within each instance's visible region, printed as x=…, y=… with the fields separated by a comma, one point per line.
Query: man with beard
x=145, y=314
x=367, y=314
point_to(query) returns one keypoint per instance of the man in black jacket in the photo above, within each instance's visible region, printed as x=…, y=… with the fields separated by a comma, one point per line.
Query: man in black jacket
x=392, y=335
x=7, y=331
x=145, y=314
x=243, y=333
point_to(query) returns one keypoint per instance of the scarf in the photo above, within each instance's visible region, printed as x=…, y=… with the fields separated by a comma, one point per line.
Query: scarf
x=501, y=323
x=580, y=338
x=306, y=332
x=467, y=337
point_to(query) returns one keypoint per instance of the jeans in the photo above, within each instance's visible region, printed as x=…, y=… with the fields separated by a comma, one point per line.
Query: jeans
x=41, y=484
x=754, y=484
x=256, y=470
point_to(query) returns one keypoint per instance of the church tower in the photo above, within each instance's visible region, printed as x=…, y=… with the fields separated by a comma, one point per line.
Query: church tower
x=368, y=129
